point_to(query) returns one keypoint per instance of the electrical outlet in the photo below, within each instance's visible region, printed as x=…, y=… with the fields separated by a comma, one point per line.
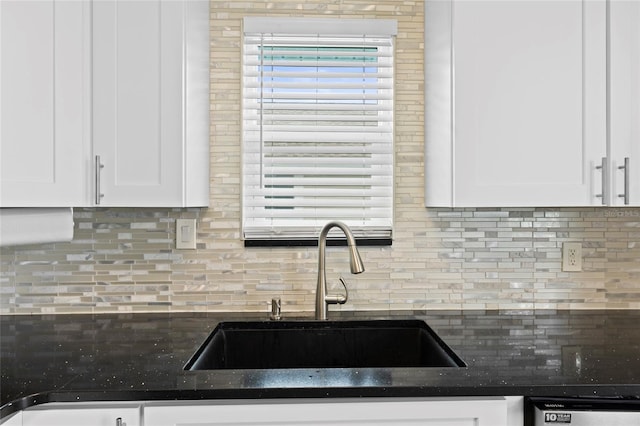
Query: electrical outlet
x=186, y=234
x=572, y=257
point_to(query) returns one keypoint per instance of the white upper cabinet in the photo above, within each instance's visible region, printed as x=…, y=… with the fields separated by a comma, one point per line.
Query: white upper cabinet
x=624, y=81
x=517, y=103
x=43, y=103
x=105, y=103
x=150, y=102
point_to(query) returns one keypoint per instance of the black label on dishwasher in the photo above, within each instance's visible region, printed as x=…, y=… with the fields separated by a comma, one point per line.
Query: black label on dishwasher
x=557, y=418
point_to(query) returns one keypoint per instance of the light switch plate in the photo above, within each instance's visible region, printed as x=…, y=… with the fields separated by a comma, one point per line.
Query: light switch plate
x=572, y=257
x=186, y=234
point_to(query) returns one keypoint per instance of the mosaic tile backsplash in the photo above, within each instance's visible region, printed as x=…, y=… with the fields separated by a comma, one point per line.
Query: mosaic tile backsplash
x=124, y=260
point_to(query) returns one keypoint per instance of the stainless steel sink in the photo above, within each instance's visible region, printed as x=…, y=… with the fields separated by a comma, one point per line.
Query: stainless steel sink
x=323, y=344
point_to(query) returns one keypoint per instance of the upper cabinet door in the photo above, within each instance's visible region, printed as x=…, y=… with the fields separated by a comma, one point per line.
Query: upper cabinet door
x=44, y=131
x=144, y=55
x=515, y=102
x=624, y=85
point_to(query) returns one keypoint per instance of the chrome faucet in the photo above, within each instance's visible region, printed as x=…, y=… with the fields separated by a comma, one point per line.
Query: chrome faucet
x=322, y=298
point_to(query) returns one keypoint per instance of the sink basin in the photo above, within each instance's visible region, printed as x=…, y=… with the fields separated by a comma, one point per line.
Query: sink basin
x=323, y=344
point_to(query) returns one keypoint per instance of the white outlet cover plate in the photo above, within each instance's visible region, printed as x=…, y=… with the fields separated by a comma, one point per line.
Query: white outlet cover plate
x=186, y=234
x=572, y=257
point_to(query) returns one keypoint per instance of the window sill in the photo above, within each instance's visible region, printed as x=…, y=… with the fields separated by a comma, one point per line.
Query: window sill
x=361, y=242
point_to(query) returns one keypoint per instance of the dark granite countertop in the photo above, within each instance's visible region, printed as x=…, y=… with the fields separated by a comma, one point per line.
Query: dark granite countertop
x=141, y=357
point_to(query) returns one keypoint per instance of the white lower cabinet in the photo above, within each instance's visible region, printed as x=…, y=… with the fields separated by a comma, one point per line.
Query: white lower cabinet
x=83, y=414
x=353, y=412
x=454, y=411
x=14, y=419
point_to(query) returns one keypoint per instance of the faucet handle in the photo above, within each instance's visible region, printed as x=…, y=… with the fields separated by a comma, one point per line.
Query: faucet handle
x=338, y=298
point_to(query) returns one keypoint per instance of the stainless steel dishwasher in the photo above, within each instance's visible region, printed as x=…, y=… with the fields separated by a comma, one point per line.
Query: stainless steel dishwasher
x=582, y=411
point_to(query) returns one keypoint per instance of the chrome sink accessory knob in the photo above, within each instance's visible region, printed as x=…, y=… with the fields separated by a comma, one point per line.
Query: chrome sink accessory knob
x=276, y=309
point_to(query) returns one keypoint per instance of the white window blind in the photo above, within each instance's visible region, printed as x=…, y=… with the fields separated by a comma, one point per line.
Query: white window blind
x=317, y=128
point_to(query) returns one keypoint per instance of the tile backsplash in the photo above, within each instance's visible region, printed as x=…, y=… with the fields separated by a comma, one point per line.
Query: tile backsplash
x=124, y=260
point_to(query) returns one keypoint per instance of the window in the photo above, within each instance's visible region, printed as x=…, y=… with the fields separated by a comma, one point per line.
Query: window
x=317, y=127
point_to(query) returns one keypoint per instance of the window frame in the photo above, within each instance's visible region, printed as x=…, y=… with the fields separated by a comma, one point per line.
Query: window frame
x=305, y=27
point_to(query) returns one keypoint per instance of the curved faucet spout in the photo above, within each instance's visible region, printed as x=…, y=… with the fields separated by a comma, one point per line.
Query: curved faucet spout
x=355, y=262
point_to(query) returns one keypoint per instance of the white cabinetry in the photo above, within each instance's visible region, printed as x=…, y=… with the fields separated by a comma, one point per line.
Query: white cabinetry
x=517, y=102
x=14, y=419
x=454, y=411
x=382, y=412
x=151, y=102
x=80, y=414
x=43, y=103
x=624, y=114
x=104, y=103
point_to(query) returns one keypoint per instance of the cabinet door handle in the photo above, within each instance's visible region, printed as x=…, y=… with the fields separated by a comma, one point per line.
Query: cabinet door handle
x=98, y=168
x=625, y=195
x=605, y=180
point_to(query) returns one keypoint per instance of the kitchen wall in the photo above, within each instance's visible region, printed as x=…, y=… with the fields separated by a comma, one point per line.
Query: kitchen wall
x=125, y=260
